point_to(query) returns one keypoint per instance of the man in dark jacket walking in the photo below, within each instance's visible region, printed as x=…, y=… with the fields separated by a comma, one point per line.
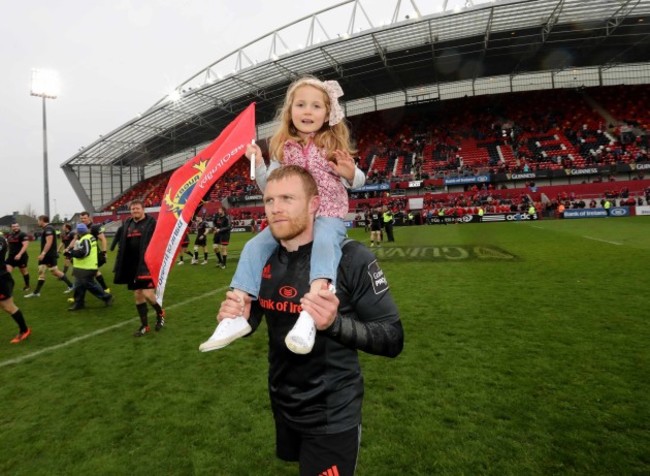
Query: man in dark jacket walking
x=131, y=269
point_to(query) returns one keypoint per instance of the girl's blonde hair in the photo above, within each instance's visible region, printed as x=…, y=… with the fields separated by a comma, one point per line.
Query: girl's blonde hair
x=329, y=138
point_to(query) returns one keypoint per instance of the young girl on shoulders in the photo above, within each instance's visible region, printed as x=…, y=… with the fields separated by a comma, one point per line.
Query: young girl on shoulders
x=313, y=135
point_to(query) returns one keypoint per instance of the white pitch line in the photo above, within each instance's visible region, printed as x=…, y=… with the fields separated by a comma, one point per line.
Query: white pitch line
x=52, y=348
x=603, y=241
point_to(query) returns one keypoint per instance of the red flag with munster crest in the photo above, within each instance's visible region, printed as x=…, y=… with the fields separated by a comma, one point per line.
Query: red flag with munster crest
x=187, y=186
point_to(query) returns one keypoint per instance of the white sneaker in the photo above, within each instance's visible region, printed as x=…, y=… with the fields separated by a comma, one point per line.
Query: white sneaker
x=226, y=332
x=68, y=291
x=300, y=339
x=180, y=263
x=194, y=261
x=32, y=295
x=205, y=262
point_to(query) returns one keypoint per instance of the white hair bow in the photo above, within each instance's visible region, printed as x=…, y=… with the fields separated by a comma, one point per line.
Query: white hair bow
x=334, y=92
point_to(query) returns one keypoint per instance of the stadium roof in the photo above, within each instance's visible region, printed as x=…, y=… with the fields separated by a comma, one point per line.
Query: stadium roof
x=402, y=48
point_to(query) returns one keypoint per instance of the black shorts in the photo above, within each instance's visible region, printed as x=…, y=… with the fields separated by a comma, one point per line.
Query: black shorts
x=222, y=239
x=49, y=260
x=375, y=227
x=200, y=241
x=21, y=263
x=140, y=284
x=6, y=287
x=318, y=454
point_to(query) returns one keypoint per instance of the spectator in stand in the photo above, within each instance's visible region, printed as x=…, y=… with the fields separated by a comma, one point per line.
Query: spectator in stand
x=263, y=223
x=460, y=213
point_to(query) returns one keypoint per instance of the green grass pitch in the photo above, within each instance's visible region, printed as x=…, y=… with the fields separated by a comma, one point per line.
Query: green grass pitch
x=526, y=352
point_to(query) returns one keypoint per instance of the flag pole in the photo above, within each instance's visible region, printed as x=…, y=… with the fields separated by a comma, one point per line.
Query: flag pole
x=253, y=162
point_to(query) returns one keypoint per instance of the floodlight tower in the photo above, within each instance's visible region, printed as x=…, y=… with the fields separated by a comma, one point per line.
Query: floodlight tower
x=45, y=84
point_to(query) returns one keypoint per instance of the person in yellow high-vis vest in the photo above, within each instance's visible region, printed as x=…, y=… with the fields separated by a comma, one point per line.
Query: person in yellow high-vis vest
x=84, y=268
x=387, y=216
x=607, y=205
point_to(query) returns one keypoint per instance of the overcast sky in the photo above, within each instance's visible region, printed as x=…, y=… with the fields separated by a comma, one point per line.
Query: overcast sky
x=115, y=59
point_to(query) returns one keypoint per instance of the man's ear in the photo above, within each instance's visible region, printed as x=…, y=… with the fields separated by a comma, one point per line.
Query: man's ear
x=314, y=204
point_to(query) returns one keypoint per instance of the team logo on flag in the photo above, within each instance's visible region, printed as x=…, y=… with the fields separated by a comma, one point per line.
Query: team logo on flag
x=175, y=200
x=187, y=187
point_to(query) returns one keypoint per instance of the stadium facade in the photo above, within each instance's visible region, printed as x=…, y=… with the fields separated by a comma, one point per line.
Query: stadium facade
x=385, y=55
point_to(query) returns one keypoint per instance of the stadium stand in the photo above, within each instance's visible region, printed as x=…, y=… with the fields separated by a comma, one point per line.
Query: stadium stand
x=513, y=133
x=486, y=96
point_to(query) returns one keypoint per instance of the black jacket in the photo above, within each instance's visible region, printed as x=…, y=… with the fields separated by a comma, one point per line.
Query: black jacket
x=321, y=392
x=121, y=276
